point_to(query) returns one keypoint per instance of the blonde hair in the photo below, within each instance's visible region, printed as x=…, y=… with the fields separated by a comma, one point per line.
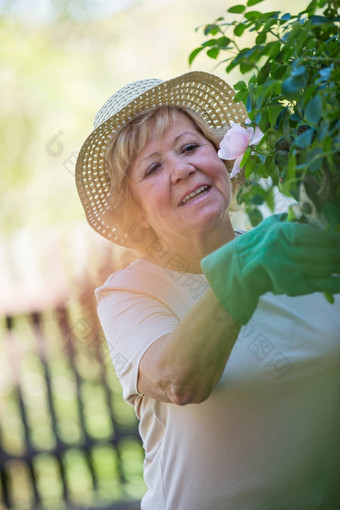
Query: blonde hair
x=123, y=149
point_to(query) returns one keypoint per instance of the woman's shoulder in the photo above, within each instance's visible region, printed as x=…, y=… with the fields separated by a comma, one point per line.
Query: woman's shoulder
x=141, y=276
x=122, y=277
x=139, y=268
x=177, y=290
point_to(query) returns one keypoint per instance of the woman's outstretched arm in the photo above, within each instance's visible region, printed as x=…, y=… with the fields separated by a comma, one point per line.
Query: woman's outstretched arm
x=277, y=256
x=184, y=366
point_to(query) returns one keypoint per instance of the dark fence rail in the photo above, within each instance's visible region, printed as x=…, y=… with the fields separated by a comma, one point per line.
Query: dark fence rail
x=67, y=439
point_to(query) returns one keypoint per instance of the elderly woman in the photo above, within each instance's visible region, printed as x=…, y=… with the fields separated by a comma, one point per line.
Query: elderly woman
x=222, y=341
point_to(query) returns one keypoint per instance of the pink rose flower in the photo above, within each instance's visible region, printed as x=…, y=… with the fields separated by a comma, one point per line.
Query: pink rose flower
x=235, y=143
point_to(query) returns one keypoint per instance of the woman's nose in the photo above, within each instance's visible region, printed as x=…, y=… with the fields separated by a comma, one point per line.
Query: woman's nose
x=180, y=169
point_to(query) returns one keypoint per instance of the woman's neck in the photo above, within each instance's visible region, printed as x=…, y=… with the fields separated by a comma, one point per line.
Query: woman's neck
x=186, y=254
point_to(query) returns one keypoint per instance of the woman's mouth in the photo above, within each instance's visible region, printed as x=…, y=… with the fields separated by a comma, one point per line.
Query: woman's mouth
x=194, y=195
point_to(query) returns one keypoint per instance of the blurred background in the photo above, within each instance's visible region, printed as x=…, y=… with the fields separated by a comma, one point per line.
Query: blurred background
x=67, y=439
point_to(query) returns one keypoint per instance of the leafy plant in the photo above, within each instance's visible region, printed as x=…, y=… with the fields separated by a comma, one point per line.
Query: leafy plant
x=293, y=95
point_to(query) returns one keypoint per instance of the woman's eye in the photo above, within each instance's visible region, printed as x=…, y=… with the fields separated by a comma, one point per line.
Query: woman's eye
x=189, y=147
x=152, y=169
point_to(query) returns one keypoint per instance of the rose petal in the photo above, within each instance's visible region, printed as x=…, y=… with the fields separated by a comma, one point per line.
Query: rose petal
x=257, y=137
x=250, y=131
x=224, y=153
x=236, y=168
x=234, y=143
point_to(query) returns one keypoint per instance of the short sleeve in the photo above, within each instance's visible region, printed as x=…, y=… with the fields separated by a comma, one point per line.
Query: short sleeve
x=131, y=322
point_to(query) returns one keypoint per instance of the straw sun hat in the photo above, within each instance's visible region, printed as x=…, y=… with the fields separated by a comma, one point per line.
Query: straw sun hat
x=205, y=94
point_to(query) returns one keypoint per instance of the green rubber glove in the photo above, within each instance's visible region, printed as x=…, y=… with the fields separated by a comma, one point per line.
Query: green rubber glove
x=277, y=256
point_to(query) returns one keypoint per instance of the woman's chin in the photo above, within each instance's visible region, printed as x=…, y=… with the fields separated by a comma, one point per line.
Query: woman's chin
x=214, y=221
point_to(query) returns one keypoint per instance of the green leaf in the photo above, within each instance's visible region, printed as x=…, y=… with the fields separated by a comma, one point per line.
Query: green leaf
x=210, y=42
x=298, y=71
x=246, y=53
x=279, y=71
x=271, y=168
x=255, y=216
x=281, y=159
x=231, y=66
x=317, y=20
x=270, y=199
x=194, y=54
x=274, y=49
x=213, y=52
x=323, y=130
x=273, y=111
x=280, y=117
x=223, y=42
x=252, y=81
x=246, y=157
x=336, y=74
x=312, y=6
x=250, y=3
x=240, y=85
x=263, y=124
x=241, y=95
x=287, y=187
x=262, y=92
x=286, y=129
x=295, y=117
x=250, y=167
x=253, y=15
x=263, y=73
x=315, y=159
x=237, y=9
x=239, y=29
x=261, y=38
x=305, y=139
x=212, y=29
x=246, y=66
x=325, y=73
x=313, y=110
x=269, y=23
x=310, y=92
x=291, y=171
x=292, y=86
x=257, y=200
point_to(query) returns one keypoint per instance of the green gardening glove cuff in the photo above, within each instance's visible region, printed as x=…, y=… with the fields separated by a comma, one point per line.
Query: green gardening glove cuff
x=224, y=273
x=277, y=256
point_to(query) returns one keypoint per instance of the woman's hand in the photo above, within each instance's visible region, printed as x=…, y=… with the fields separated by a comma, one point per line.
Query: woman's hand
x=277, y=256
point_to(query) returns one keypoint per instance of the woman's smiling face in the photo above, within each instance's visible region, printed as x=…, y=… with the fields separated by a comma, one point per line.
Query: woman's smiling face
x=181, y=185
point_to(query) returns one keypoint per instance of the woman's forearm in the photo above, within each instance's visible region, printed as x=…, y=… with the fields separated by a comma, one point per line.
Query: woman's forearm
x=184, y=366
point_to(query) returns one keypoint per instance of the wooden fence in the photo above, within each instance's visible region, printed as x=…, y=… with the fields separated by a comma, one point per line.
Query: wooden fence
x=67, y=438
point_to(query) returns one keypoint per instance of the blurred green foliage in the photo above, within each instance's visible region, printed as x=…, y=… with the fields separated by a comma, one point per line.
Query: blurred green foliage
x=292, y=94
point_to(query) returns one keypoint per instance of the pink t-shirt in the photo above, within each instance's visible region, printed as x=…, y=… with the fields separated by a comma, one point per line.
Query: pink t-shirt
x=268, y=436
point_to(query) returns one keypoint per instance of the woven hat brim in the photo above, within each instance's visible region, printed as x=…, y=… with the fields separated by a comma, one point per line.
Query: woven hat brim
x=204, y=93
